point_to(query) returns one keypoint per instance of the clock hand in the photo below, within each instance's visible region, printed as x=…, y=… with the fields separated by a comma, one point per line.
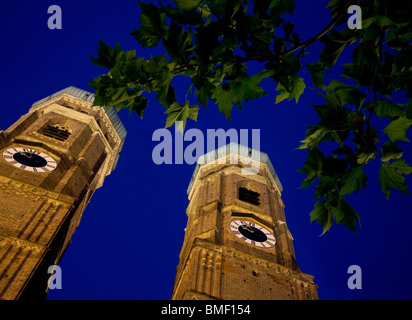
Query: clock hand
x=248, y=228
x=25, y=154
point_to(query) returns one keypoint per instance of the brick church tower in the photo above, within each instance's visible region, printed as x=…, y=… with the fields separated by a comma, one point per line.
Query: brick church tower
x=51, y=162
x=237, y=244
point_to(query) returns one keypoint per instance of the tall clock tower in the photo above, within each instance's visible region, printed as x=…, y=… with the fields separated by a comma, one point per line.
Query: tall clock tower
x=237, y=244
x=51, y=162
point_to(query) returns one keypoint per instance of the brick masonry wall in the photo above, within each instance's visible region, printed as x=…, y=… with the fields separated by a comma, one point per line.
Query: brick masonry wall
x=39, y=211
x=216, y=264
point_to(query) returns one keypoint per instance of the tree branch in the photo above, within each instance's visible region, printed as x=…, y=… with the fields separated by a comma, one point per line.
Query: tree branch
x=324, y=31
x=312, y=40
x=375, y=74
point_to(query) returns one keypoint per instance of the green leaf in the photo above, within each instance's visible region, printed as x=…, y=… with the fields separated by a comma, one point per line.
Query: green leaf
x=313, y=140
x=179, y=42
x=206, y=39
x=353, y=181
x=312, y=167
x=203, y=90
x=322, y=215
x=364, y=157
x=251, y=87
x=226, y=44
x=187, y=4
x=117, y=95
x=317, y=71
x=389, y=109
x=138, y=105
x=282, y=6
x=390, y=151
x=332, y=116
x=336, y=7
x=346, y=150
x=239, y=91
x=380, y=21
x=180, y=112
x=296, y=90
x=326, y=185
x=401, y=167
x=153, y=26
x=335, y=42
x=107, y=56
x=326, y=211
x=345, y=93
x=396, y=130
x=161, y=76
x=365, y=56
x=390, y=177
x=346, y=215
x=398, y=41
x=288, y=29
x=204, y=10
x=409, y=110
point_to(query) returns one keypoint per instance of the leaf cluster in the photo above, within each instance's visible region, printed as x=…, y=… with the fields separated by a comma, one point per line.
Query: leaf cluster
x=209, y=41
x=212, y=42
x=381, y=67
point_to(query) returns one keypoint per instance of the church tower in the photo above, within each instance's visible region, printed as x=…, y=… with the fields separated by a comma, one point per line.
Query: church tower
x=51, y=162
x=237, y=244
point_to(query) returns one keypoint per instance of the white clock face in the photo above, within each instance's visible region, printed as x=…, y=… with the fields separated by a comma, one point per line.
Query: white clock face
x=29, y=159
x=253, y=233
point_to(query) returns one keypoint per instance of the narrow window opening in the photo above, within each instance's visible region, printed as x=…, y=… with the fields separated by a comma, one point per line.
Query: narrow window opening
x=57, y=132
x=249, y=196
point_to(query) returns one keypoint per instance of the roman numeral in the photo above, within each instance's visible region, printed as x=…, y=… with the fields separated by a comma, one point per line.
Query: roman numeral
x=22, y=166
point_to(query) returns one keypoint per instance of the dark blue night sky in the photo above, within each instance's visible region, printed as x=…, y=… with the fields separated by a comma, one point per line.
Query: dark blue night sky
x=128, y=243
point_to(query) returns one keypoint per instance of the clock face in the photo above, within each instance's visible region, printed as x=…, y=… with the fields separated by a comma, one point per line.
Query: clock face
x=253, y=233
x=29, y=159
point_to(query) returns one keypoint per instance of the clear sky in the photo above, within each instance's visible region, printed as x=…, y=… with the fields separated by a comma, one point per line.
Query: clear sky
x=128, y=243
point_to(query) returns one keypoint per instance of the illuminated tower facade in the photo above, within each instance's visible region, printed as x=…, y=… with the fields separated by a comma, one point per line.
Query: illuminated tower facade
x=237, y=244
x=51, y=162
